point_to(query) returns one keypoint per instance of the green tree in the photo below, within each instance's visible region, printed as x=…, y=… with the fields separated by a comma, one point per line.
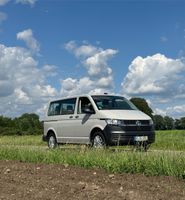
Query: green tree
x=169, y=123
x=159, y=122
x=29, y=124
x=142, y=105
x=24, y=125
x=177, y=124
x=182, y=121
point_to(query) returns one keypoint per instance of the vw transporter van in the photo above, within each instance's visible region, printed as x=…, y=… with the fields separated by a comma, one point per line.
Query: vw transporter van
x=97, y=120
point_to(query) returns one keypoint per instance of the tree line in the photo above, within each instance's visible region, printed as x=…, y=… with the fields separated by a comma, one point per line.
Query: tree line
x=26, y=124
x=29, y=124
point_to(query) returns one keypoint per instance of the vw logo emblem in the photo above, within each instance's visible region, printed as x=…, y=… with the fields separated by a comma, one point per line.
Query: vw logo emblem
x=138, y=123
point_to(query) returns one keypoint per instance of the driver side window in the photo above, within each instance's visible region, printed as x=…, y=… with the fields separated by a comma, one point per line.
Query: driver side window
x=83, y=103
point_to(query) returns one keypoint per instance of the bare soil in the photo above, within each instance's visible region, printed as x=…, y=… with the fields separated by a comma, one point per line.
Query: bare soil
x=53, y=181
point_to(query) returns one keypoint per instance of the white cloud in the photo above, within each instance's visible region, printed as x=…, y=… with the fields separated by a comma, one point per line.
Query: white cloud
x=28, y=38
x=6, y=88
x=95, y=61
x=29, y=2
x=160, y=80
x=50, y=70
x=3, y=17
x=158, y=111
x=93, y=58
x=3, y=2
x=97, y=64
x=23, y=86
x=154, y=75
x=70, y=86
x=82, y=51
x=176, y=111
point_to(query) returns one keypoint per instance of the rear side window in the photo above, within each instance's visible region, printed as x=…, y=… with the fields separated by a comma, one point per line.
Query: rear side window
x=68, y=106
x=62, y=107
x=54, y=108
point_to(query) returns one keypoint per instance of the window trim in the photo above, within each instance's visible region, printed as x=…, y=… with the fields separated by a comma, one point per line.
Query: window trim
x=78, y=105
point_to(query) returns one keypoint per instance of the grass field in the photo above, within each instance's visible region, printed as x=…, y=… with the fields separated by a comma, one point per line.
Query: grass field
x=170, y=140
x=170, y=162
x=165, y=140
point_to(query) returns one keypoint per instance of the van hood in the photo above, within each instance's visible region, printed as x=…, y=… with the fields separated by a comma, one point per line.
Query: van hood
x=124, y=114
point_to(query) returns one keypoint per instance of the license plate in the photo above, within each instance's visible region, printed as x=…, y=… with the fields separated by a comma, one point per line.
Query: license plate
x=140, y=138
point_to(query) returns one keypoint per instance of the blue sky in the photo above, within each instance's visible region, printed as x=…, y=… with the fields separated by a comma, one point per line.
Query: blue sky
x=56, y=48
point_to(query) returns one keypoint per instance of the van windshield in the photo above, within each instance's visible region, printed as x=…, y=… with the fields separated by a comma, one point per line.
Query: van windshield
x=113, y=103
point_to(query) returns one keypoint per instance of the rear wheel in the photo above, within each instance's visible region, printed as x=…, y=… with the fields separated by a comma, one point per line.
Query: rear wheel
x=98, y=140
x=52, y=141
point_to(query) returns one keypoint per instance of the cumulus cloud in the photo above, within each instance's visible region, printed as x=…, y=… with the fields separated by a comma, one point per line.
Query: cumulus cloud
x=3, y=2
x=3, y=17
x=28, y=38
x=158, y=111
x=49, y=70
x=176, y=111
x=70, y=86
x=99, y=75
x=29, y=2
x=23, y=85
x=83, y=51
x=97, y=64
x=154, y=75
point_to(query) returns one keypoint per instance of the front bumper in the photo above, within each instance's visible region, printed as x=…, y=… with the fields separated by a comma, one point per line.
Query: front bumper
x=125, y=135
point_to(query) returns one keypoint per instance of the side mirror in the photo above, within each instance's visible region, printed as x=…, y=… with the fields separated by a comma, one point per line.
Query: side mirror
x=88, y=111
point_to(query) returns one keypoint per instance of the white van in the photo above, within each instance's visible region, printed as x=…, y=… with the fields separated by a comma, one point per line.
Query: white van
x=98, y=120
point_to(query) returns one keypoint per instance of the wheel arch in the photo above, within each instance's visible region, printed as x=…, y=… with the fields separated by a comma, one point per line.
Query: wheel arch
x=49, y=132
x=94, y=130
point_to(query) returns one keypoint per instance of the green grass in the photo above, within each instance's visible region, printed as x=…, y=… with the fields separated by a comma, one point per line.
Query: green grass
x=170, y=162
x=170, y=140
x=151, y=163
x=165, y=140
x=22, y=140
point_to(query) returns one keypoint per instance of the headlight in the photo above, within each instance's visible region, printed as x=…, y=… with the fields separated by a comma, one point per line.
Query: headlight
x=115, y=122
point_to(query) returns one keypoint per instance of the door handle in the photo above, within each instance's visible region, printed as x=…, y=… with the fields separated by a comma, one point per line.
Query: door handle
x=71, y=117
x=76, y=116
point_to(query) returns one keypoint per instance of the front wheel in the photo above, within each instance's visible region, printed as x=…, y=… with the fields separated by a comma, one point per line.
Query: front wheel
x=52, y=141
x=98, y=140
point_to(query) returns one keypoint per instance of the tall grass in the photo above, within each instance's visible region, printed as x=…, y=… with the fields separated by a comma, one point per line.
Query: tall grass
x=26, y=140
x=170, y=140
x=165, y=140
x=117, y=160
x=151, y=163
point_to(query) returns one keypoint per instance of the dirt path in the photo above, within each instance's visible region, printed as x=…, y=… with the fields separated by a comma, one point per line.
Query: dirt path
x=41, y=181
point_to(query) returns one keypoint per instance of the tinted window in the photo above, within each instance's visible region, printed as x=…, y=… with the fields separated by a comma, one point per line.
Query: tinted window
x=62, y=107
x=113, y=103
x=68, y=106
x=54, y=108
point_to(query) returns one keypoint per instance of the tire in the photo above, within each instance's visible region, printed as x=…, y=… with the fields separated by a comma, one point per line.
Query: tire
x=98, y=140
x=52, y=142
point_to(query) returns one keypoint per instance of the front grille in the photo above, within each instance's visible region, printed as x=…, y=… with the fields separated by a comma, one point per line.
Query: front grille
x=134, y=122
x=137, y=128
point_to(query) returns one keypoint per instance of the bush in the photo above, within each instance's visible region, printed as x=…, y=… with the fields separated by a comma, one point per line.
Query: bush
x=27, y=124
